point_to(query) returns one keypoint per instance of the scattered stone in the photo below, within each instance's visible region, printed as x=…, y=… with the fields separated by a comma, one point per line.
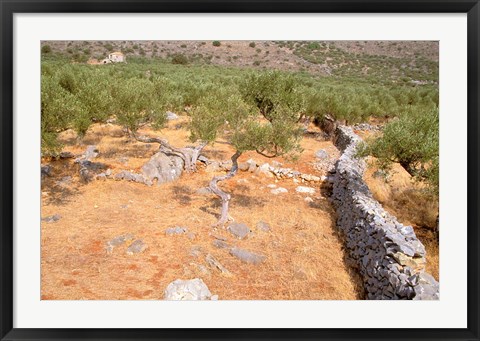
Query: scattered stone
x=321, y=154
x=303, y=189
x=247, y=256
x=213, y=167
x=171, y=116
x=221, y=244
x=101, y=176
x=272, y=186
x=187, y=290
x=196, y=251
x=202, y=269
x=52, y=218
x=176, y=230
x=117, y=241
x=191, y=235
x=279, y=190
x=264, y=170
x=243, y=166
x=138, y=246
x=66, y=155
x=46, y=171
x=308, y=199
x=239, y=230
x=263, y=226
x=91, y=152
x=276, y=164
x=215, y=264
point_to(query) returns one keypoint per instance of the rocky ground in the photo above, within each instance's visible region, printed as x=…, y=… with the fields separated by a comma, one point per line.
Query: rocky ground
x=109, y=238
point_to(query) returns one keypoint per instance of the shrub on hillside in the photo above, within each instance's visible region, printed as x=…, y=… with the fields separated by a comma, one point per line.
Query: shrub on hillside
x=179, y=58
x=46, y=49
x=216, y=43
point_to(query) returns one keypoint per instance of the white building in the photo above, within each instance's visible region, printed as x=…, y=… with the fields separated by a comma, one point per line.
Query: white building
x=114, y=57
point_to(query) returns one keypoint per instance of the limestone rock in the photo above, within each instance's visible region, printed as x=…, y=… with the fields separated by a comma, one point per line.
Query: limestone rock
x=187, y=290
x=247, y=256
x=279, y=190
x=304, y=189
x=163, y=168
x=138, y=246
x=171, y=116
x=176, y=230
x=52, y=218
x=263, y=226
x=239, y=230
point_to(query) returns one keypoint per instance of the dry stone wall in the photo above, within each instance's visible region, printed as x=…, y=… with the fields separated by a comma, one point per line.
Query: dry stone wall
x=387, y=254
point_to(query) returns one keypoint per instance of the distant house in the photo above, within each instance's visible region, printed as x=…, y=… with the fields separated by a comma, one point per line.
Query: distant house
x=114, y=57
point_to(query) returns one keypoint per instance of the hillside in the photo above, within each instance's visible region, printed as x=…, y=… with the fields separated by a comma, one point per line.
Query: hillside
x=406, y=61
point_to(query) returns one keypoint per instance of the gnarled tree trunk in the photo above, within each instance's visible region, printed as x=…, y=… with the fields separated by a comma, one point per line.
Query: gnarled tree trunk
x=223, y=195
x=188, y=155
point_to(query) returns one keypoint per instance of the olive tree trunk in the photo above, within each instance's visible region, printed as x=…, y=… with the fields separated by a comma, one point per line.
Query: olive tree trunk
x=188, y=155
x=225, y=197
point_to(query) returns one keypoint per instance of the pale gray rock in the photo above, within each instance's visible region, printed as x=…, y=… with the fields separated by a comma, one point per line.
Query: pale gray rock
x=176, y=230
x=247, y=256
x=304, y=189
x=279, y=190
x=52, y=218
x=163, y=168
x=321, y=154
x=263, y=226
x=138, y=246
x=239, y=230
x=187, y=290
x=171, y=116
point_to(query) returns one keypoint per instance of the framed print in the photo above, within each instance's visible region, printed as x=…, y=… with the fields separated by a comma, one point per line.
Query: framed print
x=229, y=170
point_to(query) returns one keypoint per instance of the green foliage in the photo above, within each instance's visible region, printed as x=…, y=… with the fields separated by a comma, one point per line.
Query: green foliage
x=411, y=140
x=252, y=44
x=179, y=58
x=109, y=47
x=255, y=108
x=270, y=91
x=135, y=103
x=46, y=49
x=216, y=43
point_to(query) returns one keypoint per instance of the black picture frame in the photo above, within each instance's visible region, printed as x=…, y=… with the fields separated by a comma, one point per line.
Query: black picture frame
x=9, y=8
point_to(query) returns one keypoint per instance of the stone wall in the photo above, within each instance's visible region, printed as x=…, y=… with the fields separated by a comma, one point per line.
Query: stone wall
x=387, y=254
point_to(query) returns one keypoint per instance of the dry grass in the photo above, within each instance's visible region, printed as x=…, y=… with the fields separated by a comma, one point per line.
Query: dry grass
x=411, y=204
x=305, y=259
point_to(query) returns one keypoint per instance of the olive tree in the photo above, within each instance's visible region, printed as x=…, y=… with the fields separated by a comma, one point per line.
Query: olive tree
x=268, y=124
x=412, y=140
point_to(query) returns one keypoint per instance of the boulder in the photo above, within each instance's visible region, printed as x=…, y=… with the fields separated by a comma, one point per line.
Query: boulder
x=162, y=167
x=187, y=290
